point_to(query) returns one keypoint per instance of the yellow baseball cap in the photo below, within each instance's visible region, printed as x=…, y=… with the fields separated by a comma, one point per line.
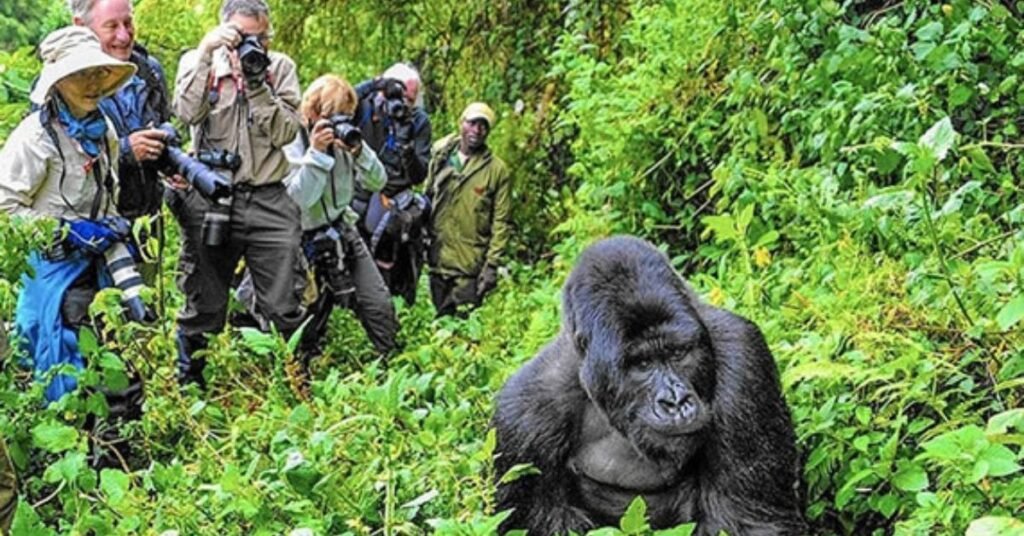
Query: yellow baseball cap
x=478, y=110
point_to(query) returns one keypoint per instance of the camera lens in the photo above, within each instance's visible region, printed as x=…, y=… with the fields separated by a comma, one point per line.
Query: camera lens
x=126, y=277
x=252, y=56
x=348, y=134
x=217, y=225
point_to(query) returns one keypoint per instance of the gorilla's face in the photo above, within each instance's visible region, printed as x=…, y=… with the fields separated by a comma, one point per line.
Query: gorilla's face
x=656, y=390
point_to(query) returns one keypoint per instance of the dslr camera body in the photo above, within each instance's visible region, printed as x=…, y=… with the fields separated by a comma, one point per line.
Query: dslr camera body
x=252, y=55
x=327, y=253
x=394, y=100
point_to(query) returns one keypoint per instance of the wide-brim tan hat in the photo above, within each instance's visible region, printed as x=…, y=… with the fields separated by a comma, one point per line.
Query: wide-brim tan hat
x=478, y=110
x=72, y=49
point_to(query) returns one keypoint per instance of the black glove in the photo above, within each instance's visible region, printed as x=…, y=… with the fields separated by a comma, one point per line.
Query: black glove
x=486, y=280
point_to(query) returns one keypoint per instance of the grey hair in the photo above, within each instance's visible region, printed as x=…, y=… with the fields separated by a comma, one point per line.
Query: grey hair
x=406, y=72
x=247, y=8
x=81, y=9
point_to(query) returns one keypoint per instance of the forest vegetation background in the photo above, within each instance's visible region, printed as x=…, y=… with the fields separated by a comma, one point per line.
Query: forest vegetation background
x=846, y=174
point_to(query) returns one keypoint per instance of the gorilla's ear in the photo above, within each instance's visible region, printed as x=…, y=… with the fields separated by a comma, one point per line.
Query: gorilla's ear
x=571, y=323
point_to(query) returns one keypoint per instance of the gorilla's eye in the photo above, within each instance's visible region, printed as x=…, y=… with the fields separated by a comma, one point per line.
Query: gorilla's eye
x=641, y=362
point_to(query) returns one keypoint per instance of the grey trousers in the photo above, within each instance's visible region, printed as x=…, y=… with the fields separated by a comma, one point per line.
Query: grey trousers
x=264, y=230
x=372, y=303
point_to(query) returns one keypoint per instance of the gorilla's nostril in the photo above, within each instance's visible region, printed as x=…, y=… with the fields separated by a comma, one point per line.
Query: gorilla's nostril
x=688, y=407
x=668, y=404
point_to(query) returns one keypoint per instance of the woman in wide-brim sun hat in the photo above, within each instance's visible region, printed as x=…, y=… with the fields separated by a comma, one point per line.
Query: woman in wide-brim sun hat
x=46, y=166
x=61, y=163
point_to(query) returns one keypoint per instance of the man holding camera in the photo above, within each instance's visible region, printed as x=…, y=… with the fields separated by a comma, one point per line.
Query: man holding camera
x=136, y=109
x=240, y=98
x=470, y=189
x=396, y=127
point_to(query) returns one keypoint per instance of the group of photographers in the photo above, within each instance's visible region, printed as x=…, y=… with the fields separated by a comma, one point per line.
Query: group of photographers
x=320, y=187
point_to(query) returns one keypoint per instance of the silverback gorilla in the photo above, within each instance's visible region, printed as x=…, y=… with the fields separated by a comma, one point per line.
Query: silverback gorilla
x=647, y=391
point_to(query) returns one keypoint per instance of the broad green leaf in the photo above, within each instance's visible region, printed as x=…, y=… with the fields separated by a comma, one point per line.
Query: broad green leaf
x=422, y=499
x=910, y=478
x=260, y=343
x=1011, y=313
x=67, y=468
x=939, y=139
x=682, y=530
x=27, y=523
x=114, y=484
x=995, y=526
x=518, y=471
x=1001, y=423
x=978, y=471
x=960, y=95
x=634, y=521
x=87, y=343
x=980, y=160
x=1000, y=459
x=723, y=227
x=930, y=31
x=53, y=436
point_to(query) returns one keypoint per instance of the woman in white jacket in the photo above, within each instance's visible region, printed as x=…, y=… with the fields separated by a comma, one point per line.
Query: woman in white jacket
x=322, y=178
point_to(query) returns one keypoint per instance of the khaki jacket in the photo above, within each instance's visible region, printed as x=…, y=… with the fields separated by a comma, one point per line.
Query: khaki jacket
x=471, y=210
x=30, y=173
x=255, y=124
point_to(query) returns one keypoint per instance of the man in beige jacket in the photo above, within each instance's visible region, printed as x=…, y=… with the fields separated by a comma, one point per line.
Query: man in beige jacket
x=237, y=96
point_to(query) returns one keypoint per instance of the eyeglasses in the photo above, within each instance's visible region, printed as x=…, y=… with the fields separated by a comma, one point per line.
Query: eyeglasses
x=92, y=73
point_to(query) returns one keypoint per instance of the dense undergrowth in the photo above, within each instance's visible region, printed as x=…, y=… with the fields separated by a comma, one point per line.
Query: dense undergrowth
x=846, y=174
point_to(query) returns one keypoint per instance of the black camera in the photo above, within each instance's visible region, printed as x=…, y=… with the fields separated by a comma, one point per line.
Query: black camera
x=394, y=100
x=346, y=130
x=220, y=159
x=196, y=172
x=253, y=57
x=327, y=254
x=217, y=223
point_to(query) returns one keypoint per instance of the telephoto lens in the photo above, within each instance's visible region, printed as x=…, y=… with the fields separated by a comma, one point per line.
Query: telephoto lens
x=209, y=183
x=123, y=271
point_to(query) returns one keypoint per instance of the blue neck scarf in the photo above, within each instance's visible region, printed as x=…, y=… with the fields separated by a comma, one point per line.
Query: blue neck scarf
x=88, y=131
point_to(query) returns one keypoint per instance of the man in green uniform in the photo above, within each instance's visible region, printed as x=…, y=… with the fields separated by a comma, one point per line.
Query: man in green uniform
x=469, y=189
x=8, y=490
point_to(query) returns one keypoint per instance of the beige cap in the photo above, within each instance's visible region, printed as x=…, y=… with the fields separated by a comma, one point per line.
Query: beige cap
x=478, y=110
x=72, y=49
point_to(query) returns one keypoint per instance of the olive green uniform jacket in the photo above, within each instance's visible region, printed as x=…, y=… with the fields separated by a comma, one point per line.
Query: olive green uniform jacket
x=8, y=490
x=469, y=220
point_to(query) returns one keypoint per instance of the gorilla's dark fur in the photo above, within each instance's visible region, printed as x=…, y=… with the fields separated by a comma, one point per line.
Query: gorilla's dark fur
x=647, y=391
